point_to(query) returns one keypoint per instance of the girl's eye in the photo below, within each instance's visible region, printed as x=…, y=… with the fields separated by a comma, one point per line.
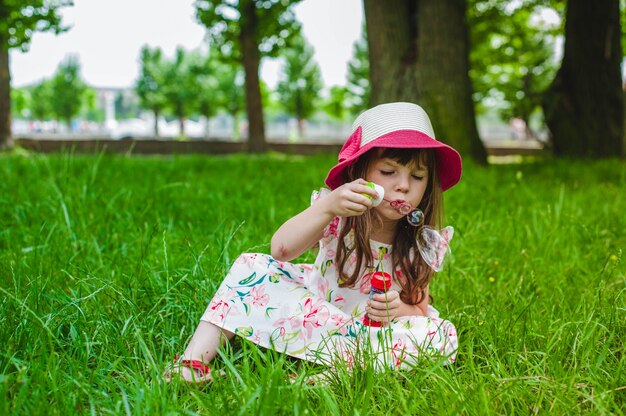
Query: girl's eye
x=386, y=172
x=417, y=177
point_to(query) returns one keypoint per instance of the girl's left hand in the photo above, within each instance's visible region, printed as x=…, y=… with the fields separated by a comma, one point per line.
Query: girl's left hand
x=384, y=307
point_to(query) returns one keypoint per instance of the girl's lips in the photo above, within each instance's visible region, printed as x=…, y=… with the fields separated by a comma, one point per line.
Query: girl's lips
x=400, y=205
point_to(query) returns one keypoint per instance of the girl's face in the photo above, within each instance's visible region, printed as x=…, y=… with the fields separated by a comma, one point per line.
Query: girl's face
x=405, y=182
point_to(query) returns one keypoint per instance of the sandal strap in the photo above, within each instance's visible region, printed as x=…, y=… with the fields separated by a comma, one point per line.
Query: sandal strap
x=204, y=370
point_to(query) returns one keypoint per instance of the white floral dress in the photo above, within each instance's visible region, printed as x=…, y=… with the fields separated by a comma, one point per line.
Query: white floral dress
x=300, y=310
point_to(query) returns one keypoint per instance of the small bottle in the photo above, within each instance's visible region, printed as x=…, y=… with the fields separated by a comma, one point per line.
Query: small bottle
x=381, y=283
x=379, y=190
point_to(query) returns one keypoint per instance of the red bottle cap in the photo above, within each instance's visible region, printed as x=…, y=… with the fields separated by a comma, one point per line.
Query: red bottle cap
x=381, y=281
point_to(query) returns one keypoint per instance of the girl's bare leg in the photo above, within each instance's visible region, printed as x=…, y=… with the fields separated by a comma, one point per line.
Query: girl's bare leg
x=204, y=345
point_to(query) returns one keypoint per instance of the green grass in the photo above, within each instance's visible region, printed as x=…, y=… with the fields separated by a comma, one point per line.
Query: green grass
x=107, y=263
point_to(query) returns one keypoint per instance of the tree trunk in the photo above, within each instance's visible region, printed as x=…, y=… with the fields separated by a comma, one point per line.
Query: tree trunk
x=251, y=59
x=392, y=40
x=181, y=123
x=206, y=126
x=6, y=141
x=300, y=128
x=157, y=113
x=419, y=52
x=235, y=126
x=584, y=106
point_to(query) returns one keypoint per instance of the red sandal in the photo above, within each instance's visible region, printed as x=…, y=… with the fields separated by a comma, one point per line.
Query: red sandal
x=201, y=373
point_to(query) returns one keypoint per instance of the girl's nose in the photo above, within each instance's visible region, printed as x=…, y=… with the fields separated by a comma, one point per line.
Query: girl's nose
x=402, y=185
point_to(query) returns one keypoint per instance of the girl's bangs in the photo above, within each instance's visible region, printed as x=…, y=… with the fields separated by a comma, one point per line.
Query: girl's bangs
x=421, y=158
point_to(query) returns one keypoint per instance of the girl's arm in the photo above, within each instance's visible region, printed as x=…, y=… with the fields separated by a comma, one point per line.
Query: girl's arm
x=299, y=233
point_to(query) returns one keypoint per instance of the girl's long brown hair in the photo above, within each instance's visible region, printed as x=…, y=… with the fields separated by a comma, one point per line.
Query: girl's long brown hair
x=406, y=259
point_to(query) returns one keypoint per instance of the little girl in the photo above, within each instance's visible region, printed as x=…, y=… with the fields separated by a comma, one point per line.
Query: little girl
x=323, y=312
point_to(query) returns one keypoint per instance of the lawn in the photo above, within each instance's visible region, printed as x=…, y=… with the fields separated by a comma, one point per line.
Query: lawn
x=107, y=263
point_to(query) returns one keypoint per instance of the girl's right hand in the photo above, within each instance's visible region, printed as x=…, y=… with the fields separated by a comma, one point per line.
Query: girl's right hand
x=349, y=200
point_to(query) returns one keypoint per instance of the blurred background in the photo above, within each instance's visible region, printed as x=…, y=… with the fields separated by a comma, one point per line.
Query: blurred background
x=523, y=73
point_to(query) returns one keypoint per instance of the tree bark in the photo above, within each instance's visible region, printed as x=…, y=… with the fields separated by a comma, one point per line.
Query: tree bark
x=6, y=140
x=235, y=125
x=392, y=41
x=251, y=59
x=181, y=123
x=584, y=106
x=419, y=52
x=157, y=114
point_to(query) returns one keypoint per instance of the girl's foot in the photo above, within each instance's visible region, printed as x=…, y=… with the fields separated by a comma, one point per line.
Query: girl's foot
x=191, y=371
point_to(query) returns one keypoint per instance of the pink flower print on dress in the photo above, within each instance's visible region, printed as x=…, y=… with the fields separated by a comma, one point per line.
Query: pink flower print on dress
x=331, y=229
x=288, y=319
x=341, y=322
x=257, y=297
x=399, y=351
x=222, y=308
x=247, y=258
x=315, y=315
x=380, y=252
x=322, y=287
x=258, y=337
x=365, y=283
x=291, y=322
x=339, y=301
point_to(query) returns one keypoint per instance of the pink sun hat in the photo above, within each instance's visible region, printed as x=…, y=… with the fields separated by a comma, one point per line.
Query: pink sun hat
x=396, y=125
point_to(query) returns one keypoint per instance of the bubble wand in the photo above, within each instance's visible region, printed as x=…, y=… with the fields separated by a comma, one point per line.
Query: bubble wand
x=414, y=216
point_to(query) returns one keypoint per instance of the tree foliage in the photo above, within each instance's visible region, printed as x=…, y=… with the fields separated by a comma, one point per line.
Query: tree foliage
x=336, y=103
x=41, y=101
x=179, y=86
x=19, y=20
x=68, y=90
x=20, y=102
x=150, y=84
x=276, y=24
x=204, y=70
x=513, y=54
x=300, y=82
x=245, y=31
x=358, y=85
x=230, y=90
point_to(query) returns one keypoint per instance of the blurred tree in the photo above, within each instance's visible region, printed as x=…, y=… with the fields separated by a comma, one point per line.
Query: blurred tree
x=68, y=90
x=419, y=52
x=299, y=83
x=513, y=55
x=245, y=31
x=179, y=88
x=20, y=102
x=584, y=106
x=91, y=109
x=41, y=101
x=336, y=104
x=149, y=85
x=203, y=70
x=231, y=96
x=358, y=88
x=126, y=105
x=19, y=20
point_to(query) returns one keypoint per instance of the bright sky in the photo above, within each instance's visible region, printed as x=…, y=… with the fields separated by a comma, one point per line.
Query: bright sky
x=107, y=35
